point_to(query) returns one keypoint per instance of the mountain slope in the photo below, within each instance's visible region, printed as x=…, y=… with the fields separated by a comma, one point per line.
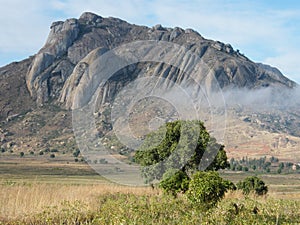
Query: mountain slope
x=72, y=40
x=37, y=93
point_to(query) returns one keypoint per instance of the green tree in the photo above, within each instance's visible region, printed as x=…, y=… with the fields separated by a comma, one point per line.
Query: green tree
x=245, y=168
x=76, y=153
x=281, y=165
x=22, y=154
x=232, y=167
x=239, y=167
x=184, y=146
x=252, y=184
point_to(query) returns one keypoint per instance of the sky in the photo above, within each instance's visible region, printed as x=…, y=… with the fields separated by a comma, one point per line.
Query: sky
x=266, y=31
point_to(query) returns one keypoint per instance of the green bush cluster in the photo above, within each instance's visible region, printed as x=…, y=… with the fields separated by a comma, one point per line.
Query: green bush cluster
x=170, y=147
x=206, y=188
x=252, y=184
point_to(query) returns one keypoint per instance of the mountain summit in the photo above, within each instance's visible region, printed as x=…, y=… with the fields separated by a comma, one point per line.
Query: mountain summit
x=38, y=92
x=69, y=42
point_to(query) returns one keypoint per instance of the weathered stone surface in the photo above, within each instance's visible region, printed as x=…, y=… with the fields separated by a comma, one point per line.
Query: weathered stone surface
x=61, y=37
x=69, y=42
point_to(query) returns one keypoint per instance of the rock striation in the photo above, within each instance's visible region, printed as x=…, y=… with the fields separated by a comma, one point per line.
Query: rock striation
x=60, y=65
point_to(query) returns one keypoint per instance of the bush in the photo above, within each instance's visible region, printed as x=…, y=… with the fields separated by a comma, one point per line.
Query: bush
x=76, y=153
x=206, y=188
x=229, y=185
x=102, y=161
x=22, y=154
x=174, y=182
x=245, y=169
x=252, y=184
x=52, y=156
x=41, y=153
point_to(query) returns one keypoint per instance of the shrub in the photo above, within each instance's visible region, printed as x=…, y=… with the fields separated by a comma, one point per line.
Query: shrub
x=245, y=169
x=52, y=156
x=31, y=152
x=206, y=188
x=252, y=184
x=102, y=161
x=76, y=153
x=22, y=154
x=229, y=185
x=174, y=182
x=41, y=153
x=239, y=167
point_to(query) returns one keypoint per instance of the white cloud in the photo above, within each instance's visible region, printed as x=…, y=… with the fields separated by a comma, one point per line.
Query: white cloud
x=288, y=63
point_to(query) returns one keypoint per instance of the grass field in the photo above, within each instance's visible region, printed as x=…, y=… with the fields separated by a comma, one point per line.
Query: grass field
x=59, y=193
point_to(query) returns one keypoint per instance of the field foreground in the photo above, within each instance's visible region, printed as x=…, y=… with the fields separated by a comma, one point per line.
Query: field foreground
x=41, y=203
x=58, y=193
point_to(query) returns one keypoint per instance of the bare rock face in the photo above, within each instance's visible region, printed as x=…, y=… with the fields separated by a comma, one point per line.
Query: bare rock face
x=58, y=70
x=49, y=58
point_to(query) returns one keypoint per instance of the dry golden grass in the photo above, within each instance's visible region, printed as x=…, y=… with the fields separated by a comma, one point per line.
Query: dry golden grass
x=20, y=201
x=67, y=204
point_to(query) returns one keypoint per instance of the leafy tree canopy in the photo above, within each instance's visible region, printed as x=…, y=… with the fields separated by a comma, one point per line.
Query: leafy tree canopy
x=181, y=145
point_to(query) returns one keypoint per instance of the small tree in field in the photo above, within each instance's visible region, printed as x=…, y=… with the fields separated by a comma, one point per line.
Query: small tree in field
x=183, y=146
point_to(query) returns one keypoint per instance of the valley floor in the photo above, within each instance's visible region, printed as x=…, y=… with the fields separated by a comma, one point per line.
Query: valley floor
x=60, y=193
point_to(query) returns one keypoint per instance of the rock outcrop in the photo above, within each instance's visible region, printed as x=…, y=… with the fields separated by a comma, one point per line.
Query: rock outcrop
x=59, y=67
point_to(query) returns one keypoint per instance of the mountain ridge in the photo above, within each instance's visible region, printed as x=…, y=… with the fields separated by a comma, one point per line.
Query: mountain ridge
x=71, y=41
x=37, y=93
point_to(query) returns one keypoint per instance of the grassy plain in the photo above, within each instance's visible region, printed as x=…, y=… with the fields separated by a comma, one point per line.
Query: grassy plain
x=34, y=192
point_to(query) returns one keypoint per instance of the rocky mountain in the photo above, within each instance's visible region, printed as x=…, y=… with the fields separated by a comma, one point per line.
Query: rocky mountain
x=62, y=68
x=71, y=41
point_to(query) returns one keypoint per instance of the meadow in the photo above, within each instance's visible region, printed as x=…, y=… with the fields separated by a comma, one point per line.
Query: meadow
x=72, y=195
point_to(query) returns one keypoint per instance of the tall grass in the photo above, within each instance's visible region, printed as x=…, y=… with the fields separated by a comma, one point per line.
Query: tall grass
x=24, y=200
x=112, y=204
